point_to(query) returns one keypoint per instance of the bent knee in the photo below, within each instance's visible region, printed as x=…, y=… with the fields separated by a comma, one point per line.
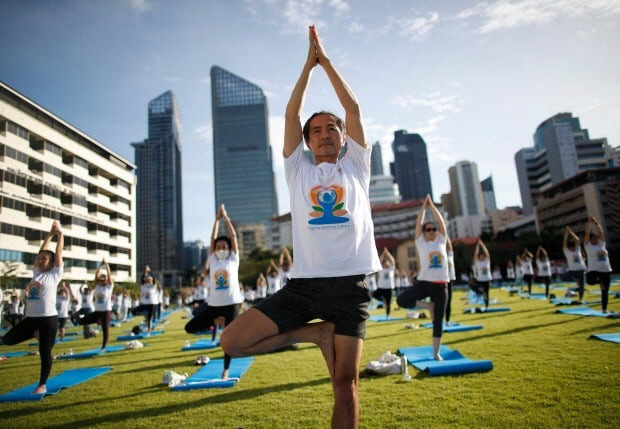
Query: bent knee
x=230, y=346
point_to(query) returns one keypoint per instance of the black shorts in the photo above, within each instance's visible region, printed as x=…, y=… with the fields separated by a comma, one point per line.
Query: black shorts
x=340, y=300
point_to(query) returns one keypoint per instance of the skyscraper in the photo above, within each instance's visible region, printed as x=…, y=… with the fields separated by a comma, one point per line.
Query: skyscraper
x=465, y=190
x=410, y=167
x=242, y=158
x=488, y=194
x=376, y=160
x=159, y=197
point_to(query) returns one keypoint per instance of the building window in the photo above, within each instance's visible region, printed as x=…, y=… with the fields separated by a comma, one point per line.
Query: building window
x=18, y=130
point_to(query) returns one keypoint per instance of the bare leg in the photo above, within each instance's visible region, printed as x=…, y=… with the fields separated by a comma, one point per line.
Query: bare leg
x=254, y=333
x=348, y=353
x=436, y=346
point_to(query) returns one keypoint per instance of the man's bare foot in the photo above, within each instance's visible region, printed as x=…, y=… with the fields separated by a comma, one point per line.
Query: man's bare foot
x=225, y=374
x=438, y=357
x=326, y=344
x=41, y=389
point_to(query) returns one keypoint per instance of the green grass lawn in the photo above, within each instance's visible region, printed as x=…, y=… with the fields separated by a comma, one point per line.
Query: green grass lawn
x=547, y=373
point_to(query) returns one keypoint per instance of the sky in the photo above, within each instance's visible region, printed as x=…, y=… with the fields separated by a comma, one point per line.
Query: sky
x=474, y=79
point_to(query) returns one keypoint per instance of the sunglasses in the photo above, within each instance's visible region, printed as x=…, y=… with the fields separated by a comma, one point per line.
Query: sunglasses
x=430, y=229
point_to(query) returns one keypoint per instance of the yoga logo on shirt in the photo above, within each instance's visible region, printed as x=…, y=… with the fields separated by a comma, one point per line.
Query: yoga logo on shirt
x=100, y=298
x=601, y=255
x=435, y=260
x=34, y=290
x=221, y=279
x=327, y=205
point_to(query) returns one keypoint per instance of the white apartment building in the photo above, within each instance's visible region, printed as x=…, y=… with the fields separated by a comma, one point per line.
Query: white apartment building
x=50, y=170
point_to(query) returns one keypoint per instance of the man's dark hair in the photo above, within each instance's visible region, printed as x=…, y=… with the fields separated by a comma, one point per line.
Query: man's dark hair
x=306, y=128
x=223, y=238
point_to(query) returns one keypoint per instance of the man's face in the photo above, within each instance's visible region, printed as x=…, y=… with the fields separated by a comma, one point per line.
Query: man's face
x=43, y=261
x=326, y=139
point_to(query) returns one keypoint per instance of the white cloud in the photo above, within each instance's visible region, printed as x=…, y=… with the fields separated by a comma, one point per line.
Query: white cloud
x=435, y=101
x=140, y=5
x=204, y=132
x=504, y=14
x=416, y=28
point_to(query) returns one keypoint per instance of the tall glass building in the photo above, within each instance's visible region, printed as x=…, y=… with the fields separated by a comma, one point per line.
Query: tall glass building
x=242, y=158
x=159, y=196
x=410, y=167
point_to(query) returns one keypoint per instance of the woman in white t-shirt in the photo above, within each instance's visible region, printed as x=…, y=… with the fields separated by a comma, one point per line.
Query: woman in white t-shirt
x=482, y=262
x=371, y=281
x=452, y=276
x=62, y=308
x=497, y=276
x=274, y=279
x=599, y=267
x=544, y=268
x=104, y=285
x=571, y=246
x=510, y=273
x=41, y=315
x=261, y=288
x=286, y=263
x=148, y=300
x=385, y=281
x=125, y=305
x=527, y=269
x=225, y=296
x=433, y=276
x=15, y=314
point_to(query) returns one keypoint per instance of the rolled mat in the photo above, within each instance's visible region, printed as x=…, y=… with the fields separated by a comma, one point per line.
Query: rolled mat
x=583, y=311
x=201, y=345
x=383, y=318
x=614, y=338
x=139, y=336
x=487, y=310
x=453, y=362
x=454, y=327
x=63, y=380
x=93, y=352
x=13, y=354
x=208, y=376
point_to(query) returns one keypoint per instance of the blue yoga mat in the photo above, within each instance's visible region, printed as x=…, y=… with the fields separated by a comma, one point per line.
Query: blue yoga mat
x=138, y=337
x=63, y=380
x=455, y=327
x=488, y=310
x=583, y=311
x=614, y=338
x=453, y=363
x=540, y=296
x=382, y=318
x=58, y=341
x=13, y=354
x=209, y=375
x=201, y=345
x=93, y=352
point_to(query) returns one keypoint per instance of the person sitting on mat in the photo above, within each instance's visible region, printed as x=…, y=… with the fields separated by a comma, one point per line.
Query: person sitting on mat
x=41, y=316
x=571, y=246
x=544, y=268
x=385, y=282
x=433, y=277
x=599, y=267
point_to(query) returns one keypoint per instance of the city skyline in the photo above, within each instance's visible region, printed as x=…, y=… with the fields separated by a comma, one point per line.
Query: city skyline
x=473, y=79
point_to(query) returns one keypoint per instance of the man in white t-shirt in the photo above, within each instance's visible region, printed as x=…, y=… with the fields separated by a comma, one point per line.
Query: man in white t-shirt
x=41, y=314
x=333, y=244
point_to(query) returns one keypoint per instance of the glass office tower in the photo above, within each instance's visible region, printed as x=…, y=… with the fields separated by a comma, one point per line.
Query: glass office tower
x=410, y=167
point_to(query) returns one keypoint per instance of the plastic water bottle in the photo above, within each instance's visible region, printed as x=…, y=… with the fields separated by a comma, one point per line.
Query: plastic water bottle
x=70, y=352
x=187, y=343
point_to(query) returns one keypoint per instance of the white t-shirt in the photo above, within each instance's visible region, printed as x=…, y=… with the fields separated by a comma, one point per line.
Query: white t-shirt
x=433, y=259
x=62, y=306
x=117, y=301
x=526, y=267
x=273, y=284
x=249, y=295
x=103, y=298
x=166, y=300
x=544, y=268
x=574, y=258
x=87, y=299
x=497, y=274
x=148, y=294
x=598, y=258
x=261, y=291
x=510, y=273
x=201, y=292
x=284, y=276
x=371, y=281
x=386, y=278
x=404, y=281
x=14, y=307
x=126, y=302
x=483, y=270
x=451, y=271
x=333, y=232
x=41, y=293
x=224, y=282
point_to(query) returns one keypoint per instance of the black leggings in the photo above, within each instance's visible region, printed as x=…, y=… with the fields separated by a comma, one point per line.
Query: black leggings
x=206, y=318
x=483, y=288
x=14, y=319
x=419, y=291
x=384, y=295
x=449, y=302
x=546, y=280
x=528, y=279
x=149, y=309
x=579, y=277
x=101, y=317
x=47, y=327
x=604, y=280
